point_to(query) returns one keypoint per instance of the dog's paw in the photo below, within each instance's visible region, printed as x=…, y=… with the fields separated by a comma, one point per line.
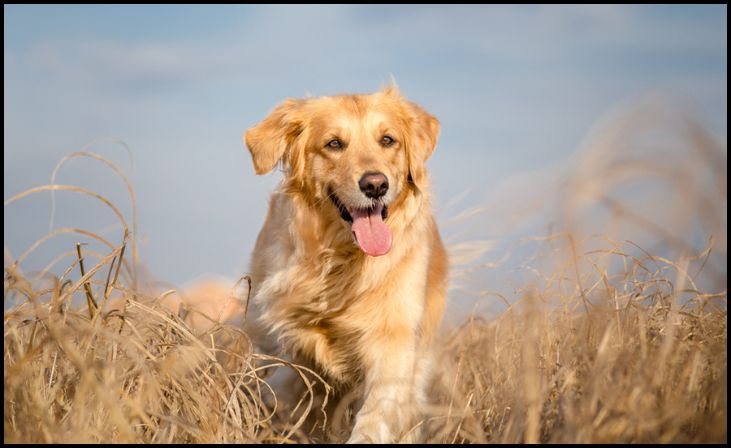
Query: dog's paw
x=358, y=439
x=374, y=432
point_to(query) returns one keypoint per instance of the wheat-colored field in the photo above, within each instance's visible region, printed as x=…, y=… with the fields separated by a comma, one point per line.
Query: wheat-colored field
x=609, y=340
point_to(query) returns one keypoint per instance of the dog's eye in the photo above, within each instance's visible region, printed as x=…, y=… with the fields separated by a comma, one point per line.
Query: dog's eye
x=334, y=144
x=387, y=141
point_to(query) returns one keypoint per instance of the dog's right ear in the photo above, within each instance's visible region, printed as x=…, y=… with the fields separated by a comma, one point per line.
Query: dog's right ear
x=271, y=139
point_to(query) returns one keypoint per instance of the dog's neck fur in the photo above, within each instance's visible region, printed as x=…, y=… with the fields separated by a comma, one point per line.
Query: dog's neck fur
x=336, y=269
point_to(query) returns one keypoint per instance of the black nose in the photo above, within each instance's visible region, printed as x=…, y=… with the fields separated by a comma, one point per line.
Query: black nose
x=374, y=185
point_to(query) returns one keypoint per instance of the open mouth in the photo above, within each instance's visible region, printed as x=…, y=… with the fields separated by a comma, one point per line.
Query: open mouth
x=369, y=231
x=345, y=214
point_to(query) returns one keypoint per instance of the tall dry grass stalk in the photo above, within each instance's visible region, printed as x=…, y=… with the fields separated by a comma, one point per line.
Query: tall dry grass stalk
x=607, y=343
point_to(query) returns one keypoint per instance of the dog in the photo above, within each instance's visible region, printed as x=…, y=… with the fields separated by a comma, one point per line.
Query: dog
x=349, y=273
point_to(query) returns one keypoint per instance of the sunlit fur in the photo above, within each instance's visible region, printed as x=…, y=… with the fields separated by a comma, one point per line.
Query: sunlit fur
x=315, y=294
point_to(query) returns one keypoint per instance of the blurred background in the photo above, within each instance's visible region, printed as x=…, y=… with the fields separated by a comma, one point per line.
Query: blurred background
x=528, y=97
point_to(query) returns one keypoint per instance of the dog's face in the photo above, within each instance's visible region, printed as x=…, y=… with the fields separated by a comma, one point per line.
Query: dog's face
x=357, y=154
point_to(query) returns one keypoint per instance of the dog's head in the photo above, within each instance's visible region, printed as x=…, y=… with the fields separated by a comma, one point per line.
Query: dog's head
x=356, y=154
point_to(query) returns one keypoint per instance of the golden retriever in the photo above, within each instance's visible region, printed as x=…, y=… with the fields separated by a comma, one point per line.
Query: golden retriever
x=349, y=273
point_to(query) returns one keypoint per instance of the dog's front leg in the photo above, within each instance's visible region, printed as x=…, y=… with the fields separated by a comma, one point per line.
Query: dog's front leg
x=391, y=400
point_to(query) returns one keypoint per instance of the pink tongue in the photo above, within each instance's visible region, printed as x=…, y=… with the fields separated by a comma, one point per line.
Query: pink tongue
x=373, y=235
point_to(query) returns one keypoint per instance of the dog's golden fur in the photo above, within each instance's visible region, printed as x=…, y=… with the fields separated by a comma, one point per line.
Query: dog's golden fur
x=315, y=293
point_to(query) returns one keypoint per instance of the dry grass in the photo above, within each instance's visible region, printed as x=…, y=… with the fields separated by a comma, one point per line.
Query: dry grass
x=636, y=367
x=607, y=343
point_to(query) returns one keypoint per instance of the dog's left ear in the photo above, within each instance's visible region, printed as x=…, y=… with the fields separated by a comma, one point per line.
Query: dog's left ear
x=272, y=140
x=425, y=131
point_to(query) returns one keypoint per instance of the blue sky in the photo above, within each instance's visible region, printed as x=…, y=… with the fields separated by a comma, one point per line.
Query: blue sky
x=517, y=90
